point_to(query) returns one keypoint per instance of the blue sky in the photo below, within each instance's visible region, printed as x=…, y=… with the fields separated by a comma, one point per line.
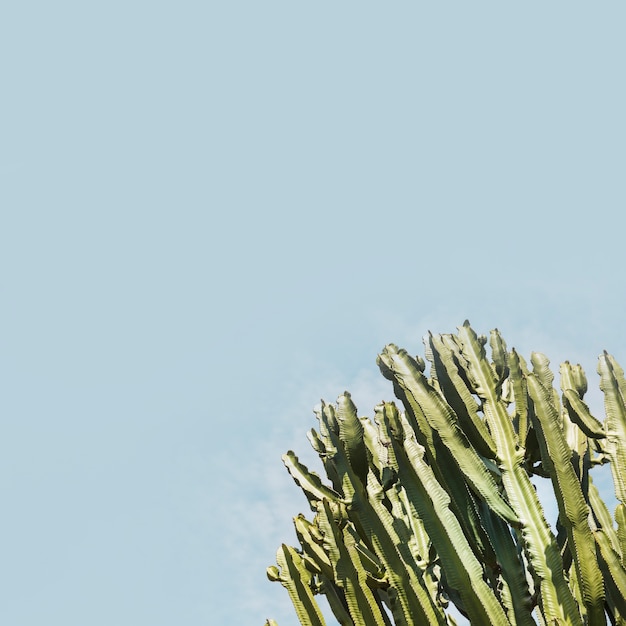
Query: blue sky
x=216, y=214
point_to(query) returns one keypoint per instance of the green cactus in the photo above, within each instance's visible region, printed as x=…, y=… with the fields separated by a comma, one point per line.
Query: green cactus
x=431, y=503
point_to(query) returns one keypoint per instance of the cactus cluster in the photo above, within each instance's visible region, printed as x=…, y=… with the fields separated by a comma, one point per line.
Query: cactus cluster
x=431, y=502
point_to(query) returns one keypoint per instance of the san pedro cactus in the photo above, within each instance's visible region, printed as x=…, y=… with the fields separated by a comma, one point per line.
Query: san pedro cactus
x=430, y=503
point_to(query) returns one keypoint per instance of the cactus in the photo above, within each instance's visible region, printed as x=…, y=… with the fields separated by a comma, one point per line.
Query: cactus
x=431, y=503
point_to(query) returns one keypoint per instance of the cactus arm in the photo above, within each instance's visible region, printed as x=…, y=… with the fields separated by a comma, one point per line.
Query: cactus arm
x=500, y=356
x=410, y=600
x=325, y=414
x=520, y=395
x=555, y=598
x=376, y=576
x=419, y=422
x=515, y=593
x=311, y=540
x=305, y=531
x=351, y=434
x=444, y=352
x=401, y=567
x=336, y=601
x=441, y=419
x=376, y=451
x=409, y=590
x=308, y=481
x=602, y=517
x=408, y=596
x=463, y=503
x=613, y=385
x=418, y=540
x=349, y=573
x=431, y=502
x=573, y=509
x=439, y=458
x=573, y=377
x=613, y=570
x=294, y=576
x=579, y=413
x=620, y=518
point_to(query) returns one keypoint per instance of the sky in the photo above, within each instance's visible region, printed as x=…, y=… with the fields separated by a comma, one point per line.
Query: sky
x=216, y=214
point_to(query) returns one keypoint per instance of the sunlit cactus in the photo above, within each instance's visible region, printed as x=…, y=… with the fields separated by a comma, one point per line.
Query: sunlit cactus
x=430, y=505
